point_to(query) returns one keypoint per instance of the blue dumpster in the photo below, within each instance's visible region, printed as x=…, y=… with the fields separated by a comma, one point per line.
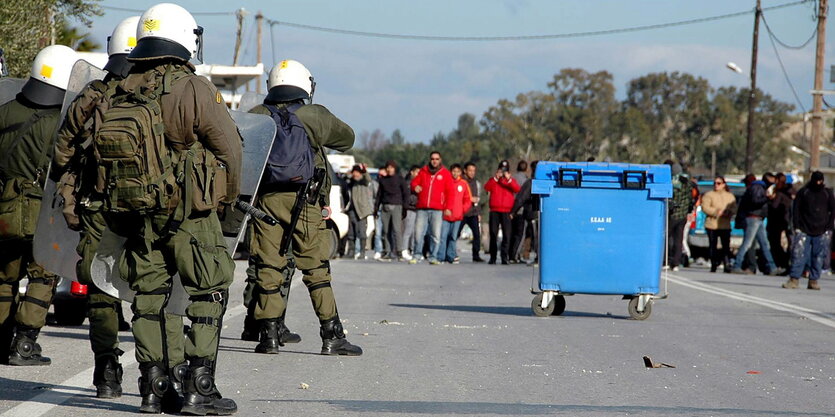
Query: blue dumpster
x=602, y=231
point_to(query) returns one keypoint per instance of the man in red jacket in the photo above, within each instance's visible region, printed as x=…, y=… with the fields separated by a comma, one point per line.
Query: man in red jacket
x=502, y=188
x=457, y=203
x=430, y=185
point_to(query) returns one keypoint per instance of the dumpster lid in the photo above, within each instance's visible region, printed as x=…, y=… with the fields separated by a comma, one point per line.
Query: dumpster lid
x=655, y=178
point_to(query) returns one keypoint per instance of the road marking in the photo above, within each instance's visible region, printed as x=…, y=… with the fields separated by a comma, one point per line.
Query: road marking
x=814, y=315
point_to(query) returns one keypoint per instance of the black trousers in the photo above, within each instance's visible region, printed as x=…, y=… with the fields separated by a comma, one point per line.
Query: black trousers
x=499, y=220
x=675, y=236
x=518, y=225
x=775, y=241
x=475, y=227
x=718, y=256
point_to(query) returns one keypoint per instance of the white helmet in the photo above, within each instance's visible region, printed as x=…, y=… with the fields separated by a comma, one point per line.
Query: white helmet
x=168, y=31
x=119, y=45
x=123, y=38
x=50, y=75
x=290, y=80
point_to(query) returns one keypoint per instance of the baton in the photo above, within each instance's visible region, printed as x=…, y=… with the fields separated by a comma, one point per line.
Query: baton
x=254, y=212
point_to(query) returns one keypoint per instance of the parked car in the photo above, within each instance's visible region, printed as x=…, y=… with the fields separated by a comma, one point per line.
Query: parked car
x=697, y=236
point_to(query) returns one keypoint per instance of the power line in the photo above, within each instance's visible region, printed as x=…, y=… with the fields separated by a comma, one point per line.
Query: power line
x=783, y=68
x=140, y=11
x=785, y=45
x=526, y=37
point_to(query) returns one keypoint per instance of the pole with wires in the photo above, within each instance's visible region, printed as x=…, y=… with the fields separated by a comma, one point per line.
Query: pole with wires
x=752, y=98
x=817, y=96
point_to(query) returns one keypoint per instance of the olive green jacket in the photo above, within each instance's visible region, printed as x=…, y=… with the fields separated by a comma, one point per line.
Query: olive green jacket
x=26, y=154
x=324, y=131
x=194, y=111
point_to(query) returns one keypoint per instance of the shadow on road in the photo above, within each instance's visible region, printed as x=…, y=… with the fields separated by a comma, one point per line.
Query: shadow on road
x=510, y=409
x=85, y=398
x=505, y=311
x=251, y=350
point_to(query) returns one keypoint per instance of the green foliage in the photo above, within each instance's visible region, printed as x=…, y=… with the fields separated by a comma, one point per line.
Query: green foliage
x=26, y=26
x=664, y=115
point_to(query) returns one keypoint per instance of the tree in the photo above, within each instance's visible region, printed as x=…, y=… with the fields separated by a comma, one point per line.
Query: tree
x=71, y=36
x=27, y=26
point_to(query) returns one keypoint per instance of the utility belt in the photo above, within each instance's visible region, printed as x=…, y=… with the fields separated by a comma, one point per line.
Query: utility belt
x=280, y=188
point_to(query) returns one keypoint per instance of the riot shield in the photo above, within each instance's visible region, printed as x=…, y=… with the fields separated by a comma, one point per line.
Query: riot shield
x=258, y=132
x=250, y=100
x=54, y=243
x=9, y=87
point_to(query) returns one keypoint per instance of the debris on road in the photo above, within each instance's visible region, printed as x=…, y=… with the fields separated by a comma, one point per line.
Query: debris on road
x=392, y=323
x=650, y=364
x=303, y=386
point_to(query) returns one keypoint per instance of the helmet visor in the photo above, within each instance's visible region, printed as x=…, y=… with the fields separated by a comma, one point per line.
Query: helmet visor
x=199, y=56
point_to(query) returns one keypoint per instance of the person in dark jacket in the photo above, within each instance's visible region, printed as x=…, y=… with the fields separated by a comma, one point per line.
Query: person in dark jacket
x=812, y=218
x=527, y=209
x=410, y=215
x=779, y=219
x=753, y=208
x=681, y=205
x=392, y=194
x=473, y=216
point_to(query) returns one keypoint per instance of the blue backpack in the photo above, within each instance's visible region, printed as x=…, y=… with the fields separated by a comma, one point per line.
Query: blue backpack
x=291, y=159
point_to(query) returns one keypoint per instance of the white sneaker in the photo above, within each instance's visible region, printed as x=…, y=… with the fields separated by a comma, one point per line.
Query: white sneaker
x=405, y=255
x=358, y=255
x=377, y=255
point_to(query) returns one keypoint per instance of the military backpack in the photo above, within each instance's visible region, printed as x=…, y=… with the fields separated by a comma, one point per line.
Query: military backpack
x=136, y=167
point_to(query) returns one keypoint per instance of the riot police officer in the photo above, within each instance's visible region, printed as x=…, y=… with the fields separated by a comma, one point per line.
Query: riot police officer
x=27, y=128
x=167, y=230
x=73, y=167
x=290, y=84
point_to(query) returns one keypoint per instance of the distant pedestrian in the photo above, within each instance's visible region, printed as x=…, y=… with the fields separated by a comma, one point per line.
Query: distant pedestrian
x=431, y=186
x=681, y=205
x=527, y=205
x=393, y=193
x=753, y=208
x=410, y=216
x=779, y=219
x=472, y=218
x=813, y=218
x=458, y=201
x=380, y=245
x=519, y=224
x=360, y=207
x=502, y=188
x=719, y=207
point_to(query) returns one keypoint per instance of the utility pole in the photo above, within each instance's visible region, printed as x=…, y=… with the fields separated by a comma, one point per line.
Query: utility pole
x=259, y=19
x=817, y=97
x=239, y=15
x=752, y=99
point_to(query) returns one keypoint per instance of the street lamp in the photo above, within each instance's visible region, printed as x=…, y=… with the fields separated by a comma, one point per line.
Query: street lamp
x=733, y=67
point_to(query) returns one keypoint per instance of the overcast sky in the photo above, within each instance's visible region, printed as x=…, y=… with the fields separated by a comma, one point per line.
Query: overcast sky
x=422, y=86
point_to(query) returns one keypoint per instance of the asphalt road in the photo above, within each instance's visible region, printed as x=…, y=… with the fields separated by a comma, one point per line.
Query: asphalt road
x=461, y=340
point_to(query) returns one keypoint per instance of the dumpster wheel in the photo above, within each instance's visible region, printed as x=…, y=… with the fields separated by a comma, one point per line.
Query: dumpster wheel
x=559, y=305
x=536, y=306
x=633, y=309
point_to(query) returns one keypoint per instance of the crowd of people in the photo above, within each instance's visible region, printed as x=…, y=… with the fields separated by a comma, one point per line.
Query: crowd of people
x=420, y=216
x=786, y=230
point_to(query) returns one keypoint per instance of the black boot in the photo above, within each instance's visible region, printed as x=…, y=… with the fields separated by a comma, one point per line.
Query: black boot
x=153, y=384
x=172, y=400
x=269, y=336
x=107, y=375
x=250, y=333
x=285, y=335
x=334, y=341
x=24, y=350
x=201, y=394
